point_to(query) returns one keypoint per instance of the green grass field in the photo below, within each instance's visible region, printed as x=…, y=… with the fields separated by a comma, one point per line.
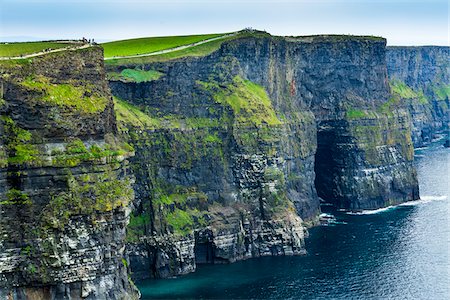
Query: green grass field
x=151, y=44
x=17, y=49
x=195, y=51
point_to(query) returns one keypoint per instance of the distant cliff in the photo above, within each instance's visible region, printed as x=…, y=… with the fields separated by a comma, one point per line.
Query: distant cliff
x=421, y=77
x=235, y=149
x=65, y=188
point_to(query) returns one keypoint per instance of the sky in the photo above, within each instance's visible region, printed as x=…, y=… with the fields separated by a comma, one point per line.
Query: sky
x=402, y=22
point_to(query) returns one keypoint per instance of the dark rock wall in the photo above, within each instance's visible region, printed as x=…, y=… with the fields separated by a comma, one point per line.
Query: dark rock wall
x=425, y=70
x=330, y=128
x=65, y=187
x=233, y=153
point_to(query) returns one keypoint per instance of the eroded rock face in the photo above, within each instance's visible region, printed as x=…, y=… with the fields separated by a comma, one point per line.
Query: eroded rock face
x=233, y=149
x=232, y=152
x=65, y=187
x=423, y=75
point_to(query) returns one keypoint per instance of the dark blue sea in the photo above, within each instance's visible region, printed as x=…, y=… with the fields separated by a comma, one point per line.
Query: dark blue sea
x=401, y=252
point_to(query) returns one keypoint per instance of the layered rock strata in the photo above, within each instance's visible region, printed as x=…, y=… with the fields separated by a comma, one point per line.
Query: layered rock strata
x=65, y=187
x=233, y=149
x=420, y=79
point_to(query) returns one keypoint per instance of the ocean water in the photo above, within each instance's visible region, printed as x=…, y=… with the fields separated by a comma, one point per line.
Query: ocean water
x=400, y=252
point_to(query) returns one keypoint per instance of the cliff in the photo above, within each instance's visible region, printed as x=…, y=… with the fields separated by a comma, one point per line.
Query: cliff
x=420, y=77
x=65, y=187
x=209, y=159
x=235, y=150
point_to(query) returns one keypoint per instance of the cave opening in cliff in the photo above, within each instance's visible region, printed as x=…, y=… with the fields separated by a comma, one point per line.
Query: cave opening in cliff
x=325, y=165
x=204, y=252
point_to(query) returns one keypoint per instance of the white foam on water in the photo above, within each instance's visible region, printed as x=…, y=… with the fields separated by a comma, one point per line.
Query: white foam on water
x=440, y=137
x=325, y=215
x=370, y=211
x=420, y=148
x=423, y=199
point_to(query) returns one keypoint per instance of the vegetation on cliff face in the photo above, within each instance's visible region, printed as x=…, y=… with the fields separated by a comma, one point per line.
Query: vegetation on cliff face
x=76, y=152
x=16, y=197
x=249, y=101
x=135, y=75
x=86, y=195
x=18, y=149
x=442, y=92
x=404, y=91
x=131, y=116
x=353, y=113
x=82, y=98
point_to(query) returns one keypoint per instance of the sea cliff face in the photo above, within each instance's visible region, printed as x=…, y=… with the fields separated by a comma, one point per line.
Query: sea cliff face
x=65, y=187
x=207, y=159
x=420, y=77
x=235, y=149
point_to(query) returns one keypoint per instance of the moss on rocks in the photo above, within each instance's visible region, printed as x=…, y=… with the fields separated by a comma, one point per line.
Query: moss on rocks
x=137, y=227
x=249, y=101
x=82, y=98
x=18, y=148
x=442, y=92
x=134, y=75
x=76, y=152
x=85, y=196
x=16, y=197
x=402, y=90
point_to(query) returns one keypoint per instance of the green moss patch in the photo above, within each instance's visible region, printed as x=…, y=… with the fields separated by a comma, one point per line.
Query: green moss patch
x=76, y=153
x=135, y=75
x=137, y=227
x=180, y=221
x=130, y=115
x=356, y=114
x=442, y=92
x=81, y=98
x=85, y=196
x=249, y=101
x=18, y=148
x=16, y=197
x=404, y=91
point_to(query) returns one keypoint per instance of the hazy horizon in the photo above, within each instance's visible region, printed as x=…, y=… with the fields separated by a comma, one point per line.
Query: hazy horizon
x=401, y=22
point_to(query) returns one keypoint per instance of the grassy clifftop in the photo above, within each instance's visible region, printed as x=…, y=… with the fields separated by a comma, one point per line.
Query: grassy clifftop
x=166, y=48
x=17, y=49
x=152, y=44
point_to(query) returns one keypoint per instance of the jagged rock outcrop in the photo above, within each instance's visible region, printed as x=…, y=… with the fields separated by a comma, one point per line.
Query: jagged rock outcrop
x=234, y=148
x=420, y=77
x=65, y=187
